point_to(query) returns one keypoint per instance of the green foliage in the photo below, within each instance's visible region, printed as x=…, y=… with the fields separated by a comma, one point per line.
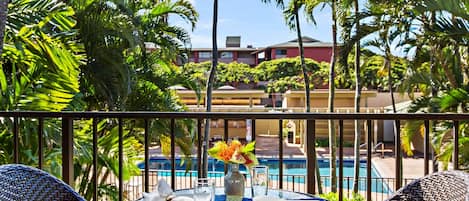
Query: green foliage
x=45, y=68
x=233, y=73
x=40, y=70
x=284, y=84
x=115, y=33
x=286, y=73
x=285, y=67
x=331, y=196
x=107, y=156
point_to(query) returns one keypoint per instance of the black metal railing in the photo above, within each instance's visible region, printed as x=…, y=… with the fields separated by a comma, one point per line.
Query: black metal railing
x=68, y=118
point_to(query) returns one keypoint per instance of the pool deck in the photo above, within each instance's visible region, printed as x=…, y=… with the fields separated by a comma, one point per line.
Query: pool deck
x=268, y=147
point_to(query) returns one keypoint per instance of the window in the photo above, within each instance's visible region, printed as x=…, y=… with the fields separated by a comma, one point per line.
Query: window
x=205, y=55
x=226, y=55
x=280, y=52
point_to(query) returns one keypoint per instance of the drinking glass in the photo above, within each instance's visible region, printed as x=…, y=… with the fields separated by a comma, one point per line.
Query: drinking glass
x=260, y=180
x=204, y=189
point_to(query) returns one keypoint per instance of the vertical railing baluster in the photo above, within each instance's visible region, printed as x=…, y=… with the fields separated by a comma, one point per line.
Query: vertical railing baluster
x=311, y=156
x=341, y=159
x=280, y=150
x=368, y=160
x=348, y=186
x=173, y=154
x=293, y=182
x=147, y=154
x=16, y=141
x=397, y=150
x=67, y=150
x=199, y=148
x=456, y=145
x=426, y=150
x=95, y=159
x=121, y=159
x=253, y=131
x=225, y=136
x=40, y=138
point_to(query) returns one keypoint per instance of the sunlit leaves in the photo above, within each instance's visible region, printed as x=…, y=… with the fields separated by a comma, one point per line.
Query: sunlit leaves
x=41, y=55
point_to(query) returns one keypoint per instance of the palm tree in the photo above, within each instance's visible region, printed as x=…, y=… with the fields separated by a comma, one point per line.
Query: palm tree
x=114, y=30
x=332, y=135
x=358, y=90
x=32, y=77
x=3, y=20
x=292, y=18
x=210, y=81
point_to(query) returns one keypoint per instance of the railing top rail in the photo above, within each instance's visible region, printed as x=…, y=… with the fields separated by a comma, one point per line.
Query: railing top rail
x=238, y=115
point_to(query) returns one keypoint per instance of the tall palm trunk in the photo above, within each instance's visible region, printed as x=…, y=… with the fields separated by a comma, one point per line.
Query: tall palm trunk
x=358, y=92
x=332, y=135
x=307, y=87
x=387, y=63
x=3, y=20
x=211, y=78
x=302, y=60
x=433, y=73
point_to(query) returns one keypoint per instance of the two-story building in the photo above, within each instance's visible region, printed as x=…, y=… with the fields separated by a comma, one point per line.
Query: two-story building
x=314, y=49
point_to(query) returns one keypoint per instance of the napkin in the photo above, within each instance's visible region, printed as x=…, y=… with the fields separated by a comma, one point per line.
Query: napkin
x=182, y=198
x=163, y=191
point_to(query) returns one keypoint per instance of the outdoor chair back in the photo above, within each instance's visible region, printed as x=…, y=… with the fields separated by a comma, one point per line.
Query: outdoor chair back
x=440, y=186
x=20, y=182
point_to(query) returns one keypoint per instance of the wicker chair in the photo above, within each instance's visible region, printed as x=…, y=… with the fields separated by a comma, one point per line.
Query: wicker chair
x=449, y=185
x=20, y=182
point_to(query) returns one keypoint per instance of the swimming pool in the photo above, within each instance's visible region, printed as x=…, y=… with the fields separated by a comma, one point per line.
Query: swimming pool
x=294, y=170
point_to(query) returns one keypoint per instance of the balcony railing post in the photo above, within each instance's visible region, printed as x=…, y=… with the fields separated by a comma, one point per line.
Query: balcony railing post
x=426, y=150
x=40, y=144
x=95, y=159
x=147, y=155
x=456, y=145
x=280, y=151
x=341, y=160
x=311, y=156
x=173, y=154
x=67, y=150
x=199, y=147
x=121, y=158
x=397, y=150
x=16, y=140
x=368, y=160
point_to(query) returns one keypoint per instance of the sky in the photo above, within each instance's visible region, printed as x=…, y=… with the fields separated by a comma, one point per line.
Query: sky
x=257, y=23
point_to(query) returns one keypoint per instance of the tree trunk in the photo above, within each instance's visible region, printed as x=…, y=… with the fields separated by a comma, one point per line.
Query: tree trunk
x=307, y=88
x=211, y=78
x=433, y=73
x=302, y=59
x=387, y=62
x=358, y=92
x=332, y=135
x=3, y=20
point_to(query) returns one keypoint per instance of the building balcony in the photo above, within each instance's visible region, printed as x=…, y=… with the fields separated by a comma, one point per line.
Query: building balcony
x=82, y=140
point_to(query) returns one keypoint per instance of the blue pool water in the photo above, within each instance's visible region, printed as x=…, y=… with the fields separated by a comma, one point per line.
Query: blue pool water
x=296, y=167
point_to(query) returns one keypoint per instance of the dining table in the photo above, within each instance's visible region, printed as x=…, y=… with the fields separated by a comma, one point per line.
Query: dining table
x=275, y=193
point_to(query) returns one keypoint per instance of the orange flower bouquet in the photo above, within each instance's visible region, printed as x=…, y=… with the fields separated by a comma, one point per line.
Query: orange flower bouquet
x=234, y=152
